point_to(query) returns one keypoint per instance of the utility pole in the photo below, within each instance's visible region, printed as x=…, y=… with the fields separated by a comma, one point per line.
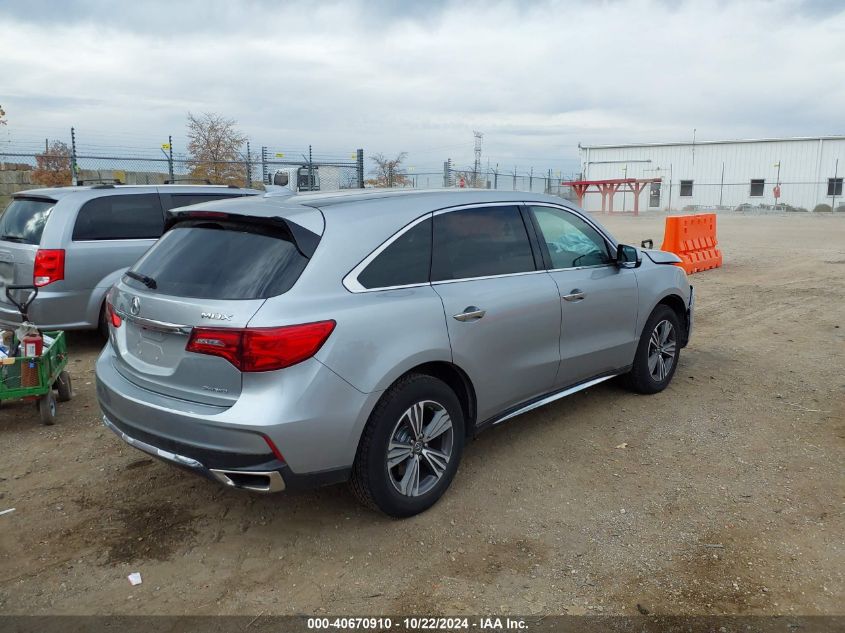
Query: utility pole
x=477, y=165
x=359, y=167
x=835, y=180
x=310, y=171
x=74, y=175
x=264, y=164
x=248, y=166
x=170, y=157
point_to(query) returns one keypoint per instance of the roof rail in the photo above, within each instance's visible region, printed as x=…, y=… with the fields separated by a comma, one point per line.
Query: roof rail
x=173, y=181
x=111, y=182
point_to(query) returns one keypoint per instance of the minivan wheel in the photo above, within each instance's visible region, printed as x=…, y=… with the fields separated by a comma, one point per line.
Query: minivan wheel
x=410, y=449
x=103, y=322
x=658, y=352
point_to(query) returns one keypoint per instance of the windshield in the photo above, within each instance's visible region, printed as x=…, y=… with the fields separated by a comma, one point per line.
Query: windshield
x=24, y=219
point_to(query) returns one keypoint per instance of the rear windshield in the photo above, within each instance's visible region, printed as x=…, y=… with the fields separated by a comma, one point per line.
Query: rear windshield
x=24, y=219
x=220, y=261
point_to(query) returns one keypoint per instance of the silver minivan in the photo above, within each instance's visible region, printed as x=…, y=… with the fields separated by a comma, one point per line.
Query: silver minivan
x=74, y=243
x=287, y=341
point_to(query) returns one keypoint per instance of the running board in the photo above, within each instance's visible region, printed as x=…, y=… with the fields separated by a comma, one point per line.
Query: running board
x=555, y=396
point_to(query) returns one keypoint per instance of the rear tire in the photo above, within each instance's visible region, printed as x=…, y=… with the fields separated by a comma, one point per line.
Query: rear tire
x=64, y=387
x=411, y=447
x=658, y=352
x=47, y=408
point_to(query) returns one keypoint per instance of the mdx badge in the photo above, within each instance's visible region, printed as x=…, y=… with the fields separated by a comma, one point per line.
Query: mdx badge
x=216, y=316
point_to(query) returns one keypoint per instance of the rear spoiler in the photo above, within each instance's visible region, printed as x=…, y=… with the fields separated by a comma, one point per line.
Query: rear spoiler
x=305, y=241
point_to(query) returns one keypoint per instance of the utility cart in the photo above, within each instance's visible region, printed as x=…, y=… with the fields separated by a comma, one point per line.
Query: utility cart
x=41, y=373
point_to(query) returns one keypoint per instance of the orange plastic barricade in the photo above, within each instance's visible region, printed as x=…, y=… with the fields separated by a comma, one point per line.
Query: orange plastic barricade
x=693, y=239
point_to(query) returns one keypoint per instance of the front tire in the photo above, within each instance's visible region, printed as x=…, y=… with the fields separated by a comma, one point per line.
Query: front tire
x=411, y=447
x=658, y=352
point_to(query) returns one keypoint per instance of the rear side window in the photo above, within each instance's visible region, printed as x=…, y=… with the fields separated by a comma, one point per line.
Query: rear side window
x=221, y=261
x=406, y=261
x=186, y=199
x=125, y=217
x=480, y=242
x=24, y=219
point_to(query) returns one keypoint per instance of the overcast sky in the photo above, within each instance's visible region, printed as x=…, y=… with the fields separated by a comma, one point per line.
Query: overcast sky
x=536, y=78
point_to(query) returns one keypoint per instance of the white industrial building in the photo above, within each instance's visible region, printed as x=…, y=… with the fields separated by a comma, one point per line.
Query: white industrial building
x=805, y=172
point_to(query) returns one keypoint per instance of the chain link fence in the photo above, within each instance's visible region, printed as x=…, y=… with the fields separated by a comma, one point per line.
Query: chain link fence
x=23, y=167
x=549, y=182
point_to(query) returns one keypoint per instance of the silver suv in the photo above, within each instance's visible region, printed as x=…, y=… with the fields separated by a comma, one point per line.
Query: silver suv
x=75, y=242
x=299, y=340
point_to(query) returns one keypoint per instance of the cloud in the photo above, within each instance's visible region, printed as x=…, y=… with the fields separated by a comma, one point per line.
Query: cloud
x=535, y=77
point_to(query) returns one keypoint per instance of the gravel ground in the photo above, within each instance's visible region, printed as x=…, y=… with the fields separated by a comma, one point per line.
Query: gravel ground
x=721, y=495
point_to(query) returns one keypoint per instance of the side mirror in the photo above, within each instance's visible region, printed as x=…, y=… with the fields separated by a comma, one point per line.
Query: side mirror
x=627, y=256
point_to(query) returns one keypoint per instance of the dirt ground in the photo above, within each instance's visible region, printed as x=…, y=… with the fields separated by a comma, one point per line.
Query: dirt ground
x=723, y=494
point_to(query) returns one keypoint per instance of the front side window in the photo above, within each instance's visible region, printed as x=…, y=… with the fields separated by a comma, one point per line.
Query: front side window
x=124, y=217
x=406, y=261
x=480, y=242
x=757, y=187
x=571, y=241
x=686, y=188
x=834, y=186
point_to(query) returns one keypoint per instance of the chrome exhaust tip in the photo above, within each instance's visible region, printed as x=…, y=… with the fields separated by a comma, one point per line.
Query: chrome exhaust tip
x=255, y=481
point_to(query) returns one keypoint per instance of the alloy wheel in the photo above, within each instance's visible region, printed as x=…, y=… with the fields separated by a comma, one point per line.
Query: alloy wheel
x=662, y=347
x=420, y=448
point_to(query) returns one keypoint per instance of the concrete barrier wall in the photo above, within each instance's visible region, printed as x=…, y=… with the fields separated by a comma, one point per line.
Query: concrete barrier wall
x=14, y=180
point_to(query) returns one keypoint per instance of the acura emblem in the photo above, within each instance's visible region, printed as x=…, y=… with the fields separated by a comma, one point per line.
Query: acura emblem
x=135, y=306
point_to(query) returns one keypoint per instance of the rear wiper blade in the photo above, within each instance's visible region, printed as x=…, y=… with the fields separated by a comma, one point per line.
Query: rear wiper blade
x=13, y=238
x=149, y=282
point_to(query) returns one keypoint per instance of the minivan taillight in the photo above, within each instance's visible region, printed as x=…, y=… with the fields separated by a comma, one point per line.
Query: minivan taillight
x=49, y=266
x=262, y=349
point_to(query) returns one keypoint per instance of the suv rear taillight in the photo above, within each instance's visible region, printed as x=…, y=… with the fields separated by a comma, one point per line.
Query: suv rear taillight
x=262, y=349
x=49, y=267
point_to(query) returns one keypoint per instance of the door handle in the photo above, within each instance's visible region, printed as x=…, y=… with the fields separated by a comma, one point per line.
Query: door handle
x=575, y=295
x=470, y=313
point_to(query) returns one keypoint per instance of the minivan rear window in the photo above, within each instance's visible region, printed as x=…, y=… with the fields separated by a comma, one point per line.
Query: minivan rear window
x=24, y=219
x=220, y=261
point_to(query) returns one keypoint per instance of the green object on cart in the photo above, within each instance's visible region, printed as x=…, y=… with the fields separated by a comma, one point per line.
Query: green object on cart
x=48, y=366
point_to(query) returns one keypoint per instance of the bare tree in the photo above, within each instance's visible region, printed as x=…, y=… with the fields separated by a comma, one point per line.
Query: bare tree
x=388, y=172
x=2, y=116
x=53, y=165
x=214, y=144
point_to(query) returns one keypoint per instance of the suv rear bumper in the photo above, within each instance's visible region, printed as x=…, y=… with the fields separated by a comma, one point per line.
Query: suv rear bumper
x=257, y=481
x=312, y=416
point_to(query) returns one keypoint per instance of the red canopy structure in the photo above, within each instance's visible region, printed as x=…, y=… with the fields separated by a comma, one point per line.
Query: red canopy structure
x=607, y=189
